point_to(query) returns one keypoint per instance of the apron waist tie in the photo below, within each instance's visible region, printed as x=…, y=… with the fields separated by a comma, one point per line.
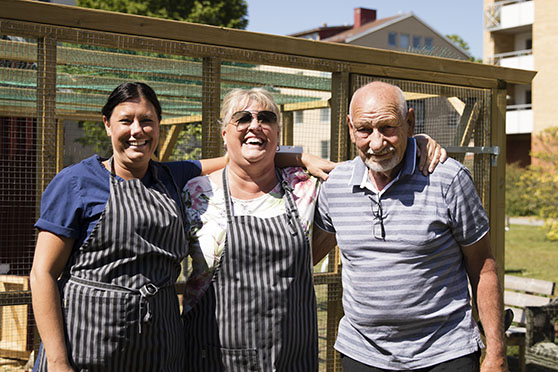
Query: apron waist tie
x=146, y=291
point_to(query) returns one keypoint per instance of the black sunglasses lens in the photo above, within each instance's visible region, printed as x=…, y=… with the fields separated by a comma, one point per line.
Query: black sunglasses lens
x=268, y=117
x=242, y=117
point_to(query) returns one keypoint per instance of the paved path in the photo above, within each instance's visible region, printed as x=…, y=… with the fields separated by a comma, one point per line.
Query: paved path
x=533, y=221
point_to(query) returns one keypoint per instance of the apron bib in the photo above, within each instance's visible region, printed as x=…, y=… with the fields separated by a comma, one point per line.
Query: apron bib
x=259, y=312
x=119, y=305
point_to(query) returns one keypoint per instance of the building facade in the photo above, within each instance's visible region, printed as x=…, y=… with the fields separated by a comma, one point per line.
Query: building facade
x=523, y=34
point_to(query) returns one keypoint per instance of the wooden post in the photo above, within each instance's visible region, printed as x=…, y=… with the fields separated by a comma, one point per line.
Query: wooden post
x=288, y=121
x=59, y=145
x=498, y=179
x=46, y=111
x=212, y=144
x=47, y=155
x=339, y=151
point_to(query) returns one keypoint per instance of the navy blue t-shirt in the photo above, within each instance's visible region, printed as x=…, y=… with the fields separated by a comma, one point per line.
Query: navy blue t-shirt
x=73, y=201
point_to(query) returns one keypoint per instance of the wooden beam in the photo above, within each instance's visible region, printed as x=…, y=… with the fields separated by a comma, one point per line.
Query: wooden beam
x=212, y=145
x=497, y=207
x=97, y=20
x=169, y=142
x=466, y=127
x=287, y=130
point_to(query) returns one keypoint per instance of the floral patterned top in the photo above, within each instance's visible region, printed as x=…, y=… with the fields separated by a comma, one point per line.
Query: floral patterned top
x=206, y=222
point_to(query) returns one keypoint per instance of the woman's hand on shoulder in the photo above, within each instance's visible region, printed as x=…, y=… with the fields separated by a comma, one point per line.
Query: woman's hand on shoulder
x=429, y=152
x=318, y=167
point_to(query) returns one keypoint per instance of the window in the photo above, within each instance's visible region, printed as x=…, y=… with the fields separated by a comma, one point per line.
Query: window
x=428, y=43
x=298, y=117
x=404, y=41
x=392, y=39
x=417, y=42
x=325, y=115
x=325, y=149
x=529, y=43
x=528, y=97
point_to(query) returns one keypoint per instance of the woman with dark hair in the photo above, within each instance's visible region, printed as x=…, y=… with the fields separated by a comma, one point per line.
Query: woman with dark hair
x=109, y=250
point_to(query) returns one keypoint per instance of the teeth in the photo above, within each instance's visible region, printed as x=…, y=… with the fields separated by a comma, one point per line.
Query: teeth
x=137, y=143
x=254, y=141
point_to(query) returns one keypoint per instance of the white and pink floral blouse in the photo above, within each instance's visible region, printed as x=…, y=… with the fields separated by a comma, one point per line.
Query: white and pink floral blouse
x=206, y=222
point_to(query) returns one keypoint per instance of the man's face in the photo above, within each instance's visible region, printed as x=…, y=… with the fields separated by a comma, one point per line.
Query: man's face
x=378, y=129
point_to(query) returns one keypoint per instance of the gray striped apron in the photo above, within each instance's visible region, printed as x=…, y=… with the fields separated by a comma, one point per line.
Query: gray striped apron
x=259, y=312
x=119, y=305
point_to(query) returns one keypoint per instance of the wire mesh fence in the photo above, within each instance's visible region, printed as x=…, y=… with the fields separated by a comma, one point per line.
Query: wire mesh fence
x=54, y=81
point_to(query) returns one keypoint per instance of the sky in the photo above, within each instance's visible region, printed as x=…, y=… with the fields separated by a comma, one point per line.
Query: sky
x=284, y=17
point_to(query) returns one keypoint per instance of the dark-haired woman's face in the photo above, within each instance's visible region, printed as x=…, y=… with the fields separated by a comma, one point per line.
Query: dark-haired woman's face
x=134, y=131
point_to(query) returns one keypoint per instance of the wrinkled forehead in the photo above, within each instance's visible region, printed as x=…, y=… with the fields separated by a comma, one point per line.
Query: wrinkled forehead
x=376, y=112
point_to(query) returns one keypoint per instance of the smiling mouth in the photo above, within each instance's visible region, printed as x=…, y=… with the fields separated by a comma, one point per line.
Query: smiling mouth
x=254, y=142
x=137, y=143
x=382, y=153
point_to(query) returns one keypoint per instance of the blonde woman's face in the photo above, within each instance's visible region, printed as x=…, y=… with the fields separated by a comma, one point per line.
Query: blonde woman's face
x=251, y=135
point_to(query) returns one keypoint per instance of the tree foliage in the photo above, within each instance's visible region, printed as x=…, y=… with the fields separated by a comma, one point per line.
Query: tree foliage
x=95, y=135
x=539, y=181
x=227, y=13
x=458, y=41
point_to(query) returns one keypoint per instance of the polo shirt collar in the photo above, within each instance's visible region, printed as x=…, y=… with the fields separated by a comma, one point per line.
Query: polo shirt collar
x=410, y=163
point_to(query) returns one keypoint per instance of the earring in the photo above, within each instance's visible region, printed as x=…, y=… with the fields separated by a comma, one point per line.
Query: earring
x=278, y=148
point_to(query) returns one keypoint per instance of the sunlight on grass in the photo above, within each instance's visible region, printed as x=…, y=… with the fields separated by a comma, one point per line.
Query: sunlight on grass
x=530, y=254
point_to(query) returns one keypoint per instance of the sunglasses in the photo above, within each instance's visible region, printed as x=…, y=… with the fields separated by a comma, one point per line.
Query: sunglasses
x=243, y=119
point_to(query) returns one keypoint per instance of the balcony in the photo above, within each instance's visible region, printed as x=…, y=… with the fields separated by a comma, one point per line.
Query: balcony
x=519, y=119
x=522, y=59
x=510, y=16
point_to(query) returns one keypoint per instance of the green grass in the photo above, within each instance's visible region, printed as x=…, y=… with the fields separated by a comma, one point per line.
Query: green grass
x=530, y=254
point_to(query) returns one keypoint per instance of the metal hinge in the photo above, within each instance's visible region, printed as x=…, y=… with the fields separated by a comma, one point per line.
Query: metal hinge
x=492, y=150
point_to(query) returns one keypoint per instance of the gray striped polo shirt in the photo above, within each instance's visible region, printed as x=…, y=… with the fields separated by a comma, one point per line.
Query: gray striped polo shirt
x=405, y=292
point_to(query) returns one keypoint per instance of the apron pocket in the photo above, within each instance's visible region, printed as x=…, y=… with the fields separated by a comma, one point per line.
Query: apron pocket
x=239, y=359
x=96, y=325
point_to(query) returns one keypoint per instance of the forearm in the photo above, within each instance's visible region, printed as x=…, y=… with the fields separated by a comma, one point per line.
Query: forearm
x=491, y=308
x=214, y=164
x=48, y=316
x=322, y=243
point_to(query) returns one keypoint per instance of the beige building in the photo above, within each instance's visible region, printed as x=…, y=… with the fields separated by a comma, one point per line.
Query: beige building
x=524, y=34
x=402, y=32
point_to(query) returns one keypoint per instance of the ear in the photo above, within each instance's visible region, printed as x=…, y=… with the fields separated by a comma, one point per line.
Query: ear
x=351, y=129
x=107, y=125
x=223, y=134
x=411, y=122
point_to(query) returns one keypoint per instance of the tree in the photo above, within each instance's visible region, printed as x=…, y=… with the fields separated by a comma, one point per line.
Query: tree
x=458, y=41
x=540, y=181
x=227, y=13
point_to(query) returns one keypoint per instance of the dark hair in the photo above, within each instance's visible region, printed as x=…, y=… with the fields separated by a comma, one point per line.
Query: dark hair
x=127, y=91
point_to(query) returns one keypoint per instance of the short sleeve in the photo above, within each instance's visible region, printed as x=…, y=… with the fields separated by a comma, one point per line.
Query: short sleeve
x=468, y=220
x=183, y=171
x=61, y=207
x=321, y=216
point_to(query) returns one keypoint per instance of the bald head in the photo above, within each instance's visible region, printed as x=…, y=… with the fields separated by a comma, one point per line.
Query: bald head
x=381, y=92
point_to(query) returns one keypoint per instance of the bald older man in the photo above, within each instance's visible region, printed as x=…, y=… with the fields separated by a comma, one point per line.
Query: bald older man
x=409, y=244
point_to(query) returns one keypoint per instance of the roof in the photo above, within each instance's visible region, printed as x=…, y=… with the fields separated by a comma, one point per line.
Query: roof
x=370, y=26
x=355, y=33
x=321, y=29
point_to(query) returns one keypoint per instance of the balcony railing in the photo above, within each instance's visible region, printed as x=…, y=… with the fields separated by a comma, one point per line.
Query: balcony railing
x=519, y=119
x=509, y=14
x=522, y=59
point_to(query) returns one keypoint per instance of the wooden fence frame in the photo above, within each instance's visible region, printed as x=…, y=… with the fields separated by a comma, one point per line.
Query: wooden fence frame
x=213, y=44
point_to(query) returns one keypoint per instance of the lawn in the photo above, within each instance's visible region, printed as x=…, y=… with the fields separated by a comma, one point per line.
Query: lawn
x=530, y=254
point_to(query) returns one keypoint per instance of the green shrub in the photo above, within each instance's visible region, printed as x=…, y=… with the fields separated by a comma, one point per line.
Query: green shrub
x=541, y=179
x=518, y=202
